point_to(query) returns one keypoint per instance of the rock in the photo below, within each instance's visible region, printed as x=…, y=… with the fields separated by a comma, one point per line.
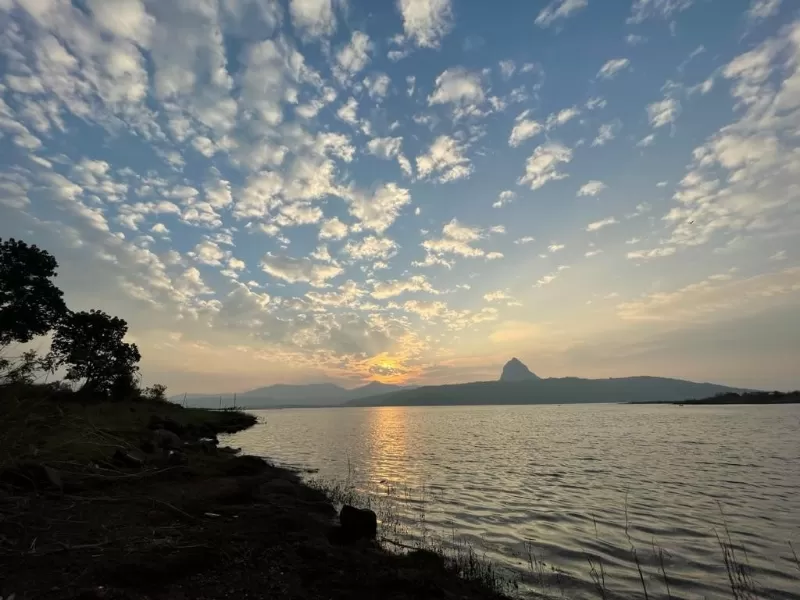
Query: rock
x=166, y=440
x=53, y=478
x=155, y=422
x=176, y=458
x=279, y=486
x=244, y=465
x=147, y=446
x=358, y=523
x=515, y=370
x=127, y=459
x=174, y=426
x=32, y=475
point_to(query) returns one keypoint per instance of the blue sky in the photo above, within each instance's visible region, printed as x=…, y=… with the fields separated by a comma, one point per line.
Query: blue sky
x=415, y=191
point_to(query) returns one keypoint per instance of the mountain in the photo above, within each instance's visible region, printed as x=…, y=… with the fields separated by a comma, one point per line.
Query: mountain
x=567, y=390
x=283, y=395
x=515, y=370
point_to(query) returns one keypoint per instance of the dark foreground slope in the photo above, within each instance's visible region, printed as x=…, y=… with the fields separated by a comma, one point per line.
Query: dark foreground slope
x=568, y=390
x=76, y=524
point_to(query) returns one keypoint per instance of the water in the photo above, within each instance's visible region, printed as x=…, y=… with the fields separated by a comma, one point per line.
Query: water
x=567, y=479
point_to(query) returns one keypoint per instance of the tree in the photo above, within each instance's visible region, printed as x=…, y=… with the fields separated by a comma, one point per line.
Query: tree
x=30, y=304
x=91, y=345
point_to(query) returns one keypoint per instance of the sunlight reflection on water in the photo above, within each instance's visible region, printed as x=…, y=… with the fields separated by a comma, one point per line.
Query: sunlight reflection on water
x=560, y=477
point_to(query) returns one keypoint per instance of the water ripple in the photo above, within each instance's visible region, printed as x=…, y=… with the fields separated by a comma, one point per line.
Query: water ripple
x=573, y=484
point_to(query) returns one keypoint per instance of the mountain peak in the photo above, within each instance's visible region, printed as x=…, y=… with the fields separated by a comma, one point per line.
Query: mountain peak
x=515, y=370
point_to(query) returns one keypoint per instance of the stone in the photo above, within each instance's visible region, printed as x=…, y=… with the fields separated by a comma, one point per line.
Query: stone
x=166, y=440
x=127, y=459
x=358, y=523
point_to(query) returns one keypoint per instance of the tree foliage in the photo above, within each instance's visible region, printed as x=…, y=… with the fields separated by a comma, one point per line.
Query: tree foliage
x=90, y=344
x=30, y=304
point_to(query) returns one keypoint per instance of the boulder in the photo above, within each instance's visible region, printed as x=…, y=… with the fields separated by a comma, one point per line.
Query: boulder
x=127, y=459
x=166, y=440
x=174, y=426
x=358, y=523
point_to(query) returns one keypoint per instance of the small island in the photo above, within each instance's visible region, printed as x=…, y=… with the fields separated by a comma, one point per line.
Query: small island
x=746, y=398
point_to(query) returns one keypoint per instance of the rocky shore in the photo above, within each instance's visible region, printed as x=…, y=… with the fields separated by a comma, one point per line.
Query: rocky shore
x=136, y=500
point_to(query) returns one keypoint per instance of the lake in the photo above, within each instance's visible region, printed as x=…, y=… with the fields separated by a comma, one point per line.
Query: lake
x=579, y=488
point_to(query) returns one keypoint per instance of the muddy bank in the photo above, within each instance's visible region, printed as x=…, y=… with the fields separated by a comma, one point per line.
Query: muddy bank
x=197, y=522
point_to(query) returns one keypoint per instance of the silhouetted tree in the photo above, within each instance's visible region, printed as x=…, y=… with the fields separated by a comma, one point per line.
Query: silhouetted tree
x=90, y=344
x=25, y=368
x=30, y=304
x=156, y=392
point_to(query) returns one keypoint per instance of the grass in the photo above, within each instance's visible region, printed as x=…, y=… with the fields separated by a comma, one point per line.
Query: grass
x=459, y=555
x=51, y=428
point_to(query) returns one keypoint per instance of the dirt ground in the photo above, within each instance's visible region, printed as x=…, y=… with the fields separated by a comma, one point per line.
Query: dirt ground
x=219, y=526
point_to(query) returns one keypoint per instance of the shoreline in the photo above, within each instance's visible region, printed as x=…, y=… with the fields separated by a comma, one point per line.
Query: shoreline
x=77, y=524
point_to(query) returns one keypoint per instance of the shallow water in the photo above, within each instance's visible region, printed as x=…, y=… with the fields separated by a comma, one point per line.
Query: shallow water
x=567, y=479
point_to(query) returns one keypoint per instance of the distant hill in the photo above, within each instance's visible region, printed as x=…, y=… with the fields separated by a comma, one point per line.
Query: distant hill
x=515, y=370
x=518, y=385
x=567, y=390
x=283, y=395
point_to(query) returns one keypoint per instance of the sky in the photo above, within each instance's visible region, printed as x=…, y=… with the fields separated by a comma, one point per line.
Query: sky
x=414, y=191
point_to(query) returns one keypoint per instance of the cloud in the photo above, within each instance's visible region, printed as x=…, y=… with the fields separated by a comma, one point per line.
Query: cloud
x=388, y=148
x=591, y=253
x=642, y=10
x=781, y=255
x=559, y=9
x=664, y=112
x=595, y=226
x=525, y=240
x=550, y=277
x=648, y=254
x=610, y=69
x=353, y=57
x=763, y=9
x=446, y=159
x=313, y=18
x=633, y=39
x=606, y=133
x=426, y=21
x=457, y=239
x=523, y=130
x=555, y=248
x=208, y=253
x=501, y=296
x=348, y=111
x=562, y=117
x=505, y=197
x=395, y=287
x=332, y=229
x=299, y=270
x=713, y=298
x=458, y=87
x=380, y=209
x=378, y=86
x=646, y=141
x=596, y=103
x=371, y=248
x=507, y=68
x=542, y=166
x=592, y=188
